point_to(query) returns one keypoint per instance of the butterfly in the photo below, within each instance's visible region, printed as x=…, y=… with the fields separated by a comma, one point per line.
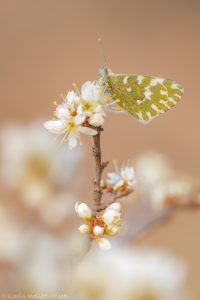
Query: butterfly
x=144, y=97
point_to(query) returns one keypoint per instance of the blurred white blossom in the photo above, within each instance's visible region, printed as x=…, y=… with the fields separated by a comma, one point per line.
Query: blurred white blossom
x=151, y=167
x=49, y=261
x=124, y=274
x=58, y=209
x=162, y=183
x=177, y=190
x=46, y=265
x=12, y=238
x=32, y=165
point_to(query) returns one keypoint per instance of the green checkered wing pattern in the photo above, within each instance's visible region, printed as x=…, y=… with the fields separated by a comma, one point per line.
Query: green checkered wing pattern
x=144, y=97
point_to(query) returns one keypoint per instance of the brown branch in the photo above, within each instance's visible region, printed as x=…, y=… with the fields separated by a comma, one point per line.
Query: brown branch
x=114, y=197
x=138, y=230
x=99, y=167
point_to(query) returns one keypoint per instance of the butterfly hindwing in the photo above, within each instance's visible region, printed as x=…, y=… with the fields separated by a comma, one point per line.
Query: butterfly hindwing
x=144, y=97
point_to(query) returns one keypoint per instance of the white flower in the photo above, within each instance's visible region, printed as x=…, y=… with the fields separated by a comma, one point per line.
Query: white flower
x=12, y=237
x=163, y=185
x=92, y=105
x=98, y=230
x=123, y=178
x=104, y=244
x=73, y=115
x=70, y=128
x=48, y=261
x=127, y=274
x=83, y=211
x=32, y=165
x=84, y=228
x=98, y=225
x=172, y=191
x=69, y=106
x=151, y=167
x=57, y=208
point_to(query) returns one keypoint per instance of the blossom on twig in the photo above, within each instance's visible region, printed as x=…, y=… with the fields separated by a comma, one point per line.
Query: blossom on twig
x=122, y=181
x=100, y=224
x=79, y=110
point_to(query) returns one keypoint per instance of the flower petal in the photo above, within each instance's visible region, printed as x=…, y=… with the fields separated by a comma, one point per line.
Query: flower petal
x=73, y=139
x=71, y=97
x=127, y=173
x=104, y=244
x=112, y=229
x=98, y=230
x=83, y=211
x=84, y=229
x=79, y=119
x=90, y=91
x=62, y=111
x=115, y=206
x=111, y=216
x=96, y=119
x=87, y=130
x=56, y=127
x=113, y=177
x=118, y=184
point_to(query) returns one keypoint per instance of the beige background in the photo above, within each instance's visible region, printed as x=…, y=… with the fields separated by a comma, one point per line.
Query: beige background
x=46, y=45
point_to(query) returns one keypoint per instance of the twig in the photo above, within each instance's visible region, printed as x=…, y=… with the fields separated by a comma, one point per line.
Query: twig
x=114, y=197
x=138, y=230
x=99, y=167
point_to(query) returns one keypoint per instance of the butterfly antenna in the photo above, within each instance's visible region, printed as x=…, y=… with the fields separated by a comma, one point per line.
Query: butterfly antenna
x=102, y=51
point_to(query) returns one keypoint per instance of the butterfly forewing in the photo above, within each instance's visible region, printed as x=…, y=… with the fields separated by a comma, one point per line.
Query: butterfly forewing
x=143, y=97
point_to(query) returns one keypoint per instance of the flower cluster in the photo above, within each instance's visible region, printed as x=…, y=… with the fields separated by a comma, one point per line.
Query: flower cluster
x=128, y=274
x=122, y=180
x=175, y=191
x=78, y=113
x=163, y=185
x=100, y=224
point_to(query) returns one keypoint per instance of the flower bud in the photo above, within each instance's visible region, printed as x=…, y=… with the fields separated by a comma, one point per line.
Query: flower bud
x=98, y=230
x=84, y=229
x=96, y=119
x=83, y=211
x=102, y=183
x=104, y=244
x=112, y=229
x=115, y=206
x=111, y=216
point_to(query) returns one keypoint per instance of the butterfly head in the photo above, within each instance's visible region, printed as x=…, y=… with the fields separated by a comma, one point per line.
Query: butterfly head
x=103, y=71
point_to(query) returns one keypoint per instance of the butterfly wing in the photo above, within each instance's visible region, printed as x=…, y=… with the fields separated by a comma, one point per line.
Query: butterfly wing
x=143, y=97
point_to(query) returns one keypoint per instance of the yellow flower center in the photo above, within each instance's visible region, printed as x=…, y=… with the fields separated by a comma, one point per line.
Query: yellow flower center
x=143, y=293
x=37, y=166
x=88, y=105
x=71, y=126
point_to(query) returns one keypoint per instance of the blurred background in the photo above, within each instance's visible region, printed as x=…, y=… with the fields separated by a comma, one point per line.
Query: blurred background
x=46, y=46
